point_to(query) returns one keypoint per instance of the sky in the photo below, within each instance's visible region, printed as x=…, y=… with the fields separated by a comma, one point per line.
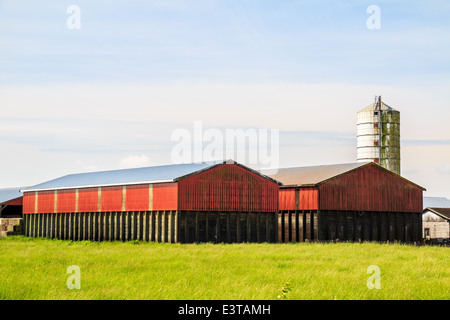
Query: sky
x=112, y=93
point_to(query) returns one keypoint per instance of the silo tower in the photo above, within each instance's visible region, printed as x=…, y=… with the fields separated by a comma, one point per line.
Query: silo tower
x=378, y=131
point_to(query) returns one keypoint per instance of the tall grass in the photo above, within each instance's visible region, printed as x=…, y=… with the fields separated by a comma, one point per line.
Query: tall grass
x=36, y=269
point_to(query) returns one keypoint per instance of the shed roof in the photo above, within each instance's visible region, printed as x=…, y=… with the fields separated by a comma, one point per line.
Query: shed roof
x=156, y=174
x=436, y=202
x=315, y=175
x=443, y=212
x=9, y=194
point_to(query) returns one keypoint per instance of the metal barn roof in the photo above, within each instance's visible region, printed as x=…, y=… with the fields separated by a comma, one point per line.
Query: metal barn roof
x=301, y=176
x=312, y=176
x=157, y=174
x=9, y=194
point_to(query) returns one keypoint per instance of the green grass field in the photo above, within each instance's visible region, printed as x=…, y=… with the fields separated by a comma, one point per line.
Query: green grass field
x=37, y=269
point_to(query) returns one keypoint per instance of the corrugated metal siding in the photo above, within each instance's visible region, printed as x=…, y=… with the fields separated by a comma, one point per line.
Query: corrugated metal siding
x=28, y=202
x=228, y=188
x=287, y=199
x=165, y=196
x=111, y=199
x=299, y=198
x=46, y=202
x=88, y=200
x=370, y=189
x=308, y=199
x=66, y=201
x=137, y=198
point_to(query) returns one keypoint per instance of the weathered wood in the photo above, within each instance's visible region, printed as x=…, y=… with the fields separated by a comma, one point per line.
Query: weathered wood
x=238, y=228
x=94, y=226
x=105, y=226
x=29, y=225
x=158, y=227
x=176, y=233
x=127, y=226
x=186, y=229
x=151, y=226
x=145, y=226
x=115, y=234
x=133, y=225
x=163, y=226
x=71, y=226
x=218, y=237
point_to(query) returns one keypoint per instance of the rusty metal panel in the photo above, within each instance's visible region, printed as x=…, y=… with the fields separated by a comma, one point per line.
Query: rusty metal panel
x=66, y=201
x=111, y=199
x=137, y=198
x=370, y=188
x=228, y=187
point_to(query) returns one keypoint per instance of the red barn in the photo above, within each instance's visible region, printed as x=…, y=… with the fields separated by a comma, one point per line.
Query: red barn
x=350, y=202
x=220, y=202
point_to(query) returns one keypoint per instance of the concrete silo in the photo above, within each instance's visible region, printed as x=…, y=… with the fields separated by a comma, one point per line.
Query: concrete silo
x=378, y=131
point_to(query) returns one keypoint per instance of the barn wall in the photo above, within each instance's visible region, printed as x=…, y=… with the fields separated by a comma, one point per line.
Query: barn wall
x=138, y=198
x=112, y=198
x=165, y=196
x=29, y=202
x=65, y=201
x=157, y=226
x=154, y=197
x=227, y=227
x=305, y=198
x=298, y=226
x=352, y=226
x=370, y=188
x=228, y=187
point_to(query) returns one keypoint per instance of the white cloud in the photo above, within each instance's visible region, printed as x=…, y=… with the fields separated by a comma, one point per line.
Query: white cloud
x=444, y=169
x=135, y=161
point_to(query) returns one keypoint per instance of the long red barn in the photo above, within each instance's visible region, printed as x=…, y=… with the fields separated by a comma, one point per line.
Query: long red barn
x=224, y=201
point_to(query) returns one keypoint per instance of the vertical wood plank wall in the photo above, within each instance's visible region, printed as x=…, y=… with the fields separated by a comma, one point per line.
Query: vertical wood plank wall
x=226, y=227
x=353, y=226
x=156, y=226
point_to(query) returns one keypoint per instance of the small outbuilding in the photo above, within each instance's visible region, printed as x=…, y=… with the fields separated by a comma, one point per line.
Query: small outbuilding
x=436, y=223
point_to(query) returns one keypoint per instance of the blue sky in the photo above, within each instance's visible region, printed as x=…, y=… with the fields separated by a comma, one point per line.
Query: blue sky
x=109, y=95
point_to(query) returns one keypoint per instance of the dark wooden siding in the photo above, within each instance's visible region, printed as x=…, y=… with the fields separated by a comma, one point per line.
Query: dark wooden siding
x=227, y=227
x=228, y=187
x=370, y=188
